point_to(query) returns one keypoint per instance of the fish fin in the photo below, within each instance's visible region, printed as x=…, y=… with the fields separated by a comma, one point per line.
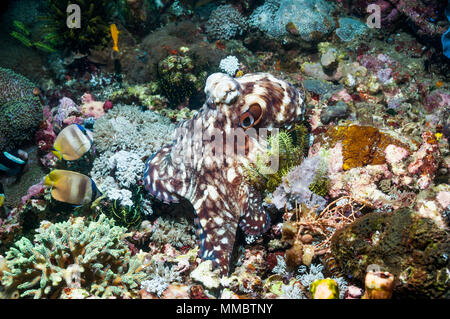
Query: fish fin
x=254, y=220
x=57, y=154
x=2, y=199
x=14, y=159
x=164, y=180
x=47, y=181
x=216, y=230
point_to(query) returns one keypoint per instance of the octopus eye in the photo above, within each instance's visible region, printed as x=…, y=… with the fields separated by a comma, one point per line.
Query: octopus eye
x=247, y=120
x=252, y=116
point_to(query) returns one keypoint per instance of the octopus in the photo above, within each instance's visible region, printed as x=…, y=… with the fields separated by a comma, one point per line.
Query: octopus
x=206, y=162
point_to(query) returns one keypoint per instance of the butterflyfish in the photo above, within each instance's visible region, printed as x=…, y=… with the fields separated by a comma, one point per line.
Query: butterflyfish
x=2, y=195
x=115, y=37
x=13, y=163
x=71, y=187
x=72, y=142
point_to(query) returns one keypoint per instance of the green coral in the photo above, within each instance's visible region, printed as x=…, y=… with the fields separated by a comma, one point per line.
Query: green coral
x=95, y=250
x=321, y=183
x=20, y=109
x=23, y=34
x=179, y=78
x=95, y=22
x=149, y=96
x=290, y=148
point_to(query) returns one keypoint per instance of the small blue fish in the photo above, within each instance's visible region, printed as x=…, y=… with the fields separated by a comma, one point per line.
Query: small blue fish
x=13, y=163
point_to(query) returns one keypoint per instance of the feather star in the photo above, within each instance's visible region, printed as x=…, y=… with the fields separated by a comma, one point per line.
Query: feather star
x=198, y=165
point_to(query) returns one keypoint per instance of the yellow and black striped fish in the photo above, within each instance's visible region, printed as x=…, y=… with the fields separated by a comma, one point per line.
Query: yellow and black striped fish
x=72, y=142
x=71, y=187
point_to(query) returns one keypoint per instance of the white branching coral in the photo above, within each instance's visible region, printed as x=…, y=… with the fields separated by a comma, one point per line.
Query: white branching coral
x=124, y=196
x=96, y=250
x=177, y=232
x=128, y=168
x=160, y=276
x=127, y=128
x=229, y=65
x=226, y=22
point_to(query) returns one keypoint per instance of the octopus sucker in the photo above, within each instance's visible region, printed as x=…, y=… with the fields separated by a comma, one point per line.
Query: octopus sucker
x=214, y=183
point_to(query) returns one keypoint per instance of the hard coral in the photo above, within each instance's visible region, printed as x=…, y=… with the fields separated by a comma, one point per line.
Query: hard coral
x=96, y=250
x=20, y=110
x=412, y=248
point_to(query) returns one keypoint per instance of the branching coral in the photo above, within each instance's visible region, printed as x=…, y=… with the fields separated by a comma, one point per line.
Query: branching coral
x=178, y=233
x=96, y=248
x=226, y=22
x=160, y=277
x=127, y=128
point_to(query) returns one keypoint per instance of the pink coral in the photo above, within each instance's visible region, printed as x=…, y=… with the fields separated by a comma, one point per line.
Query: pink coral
x=425, y=160
x=65, y=108
x=395, y=154
x=33, y=191
x=436, y=100
x=46, y=136
x=91, y=107
x=107, y=105
x=73, y=120
x=342, y=95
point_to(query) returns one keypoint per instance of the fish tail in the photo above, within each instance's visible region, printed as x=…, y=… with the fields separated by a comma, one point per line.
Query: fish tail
x=116, y=48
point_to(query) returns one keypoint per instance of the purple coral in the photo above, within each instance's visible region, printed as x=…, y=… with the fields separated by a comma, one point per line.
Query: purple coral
x=65, y=108
x=295, y=186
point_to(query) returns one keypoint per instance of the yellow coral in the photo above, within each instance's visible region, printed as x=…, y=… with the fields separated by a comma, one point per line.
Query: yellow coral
x=361, y=145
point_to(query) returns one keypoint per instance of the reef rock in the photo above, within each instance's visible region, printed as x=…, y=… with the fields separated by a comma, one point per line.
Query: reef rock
x=412, y=248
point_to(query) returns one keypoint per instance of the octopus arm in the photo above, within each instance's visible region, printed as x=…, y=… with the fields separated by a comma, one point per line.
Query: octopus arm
x=254, y=220
x=165, y=180
x=216, y=228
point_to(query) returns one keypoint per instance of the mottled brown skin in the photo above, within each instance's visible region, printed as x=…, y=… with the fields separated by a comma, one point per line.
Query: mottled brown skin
x=216, y=186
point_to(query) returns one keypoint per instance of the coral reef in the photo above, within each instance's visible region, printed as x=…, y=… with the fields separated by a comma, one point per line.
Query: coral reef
x=225, y=22
x=75, y=253
x=129, y=129
x=20, y=109
x=379, y=238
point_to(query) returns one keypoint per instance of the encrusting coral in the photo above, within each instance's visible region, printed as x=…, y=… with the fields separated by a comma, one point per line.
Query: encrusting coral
x=93, y=249
x=20, y=109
